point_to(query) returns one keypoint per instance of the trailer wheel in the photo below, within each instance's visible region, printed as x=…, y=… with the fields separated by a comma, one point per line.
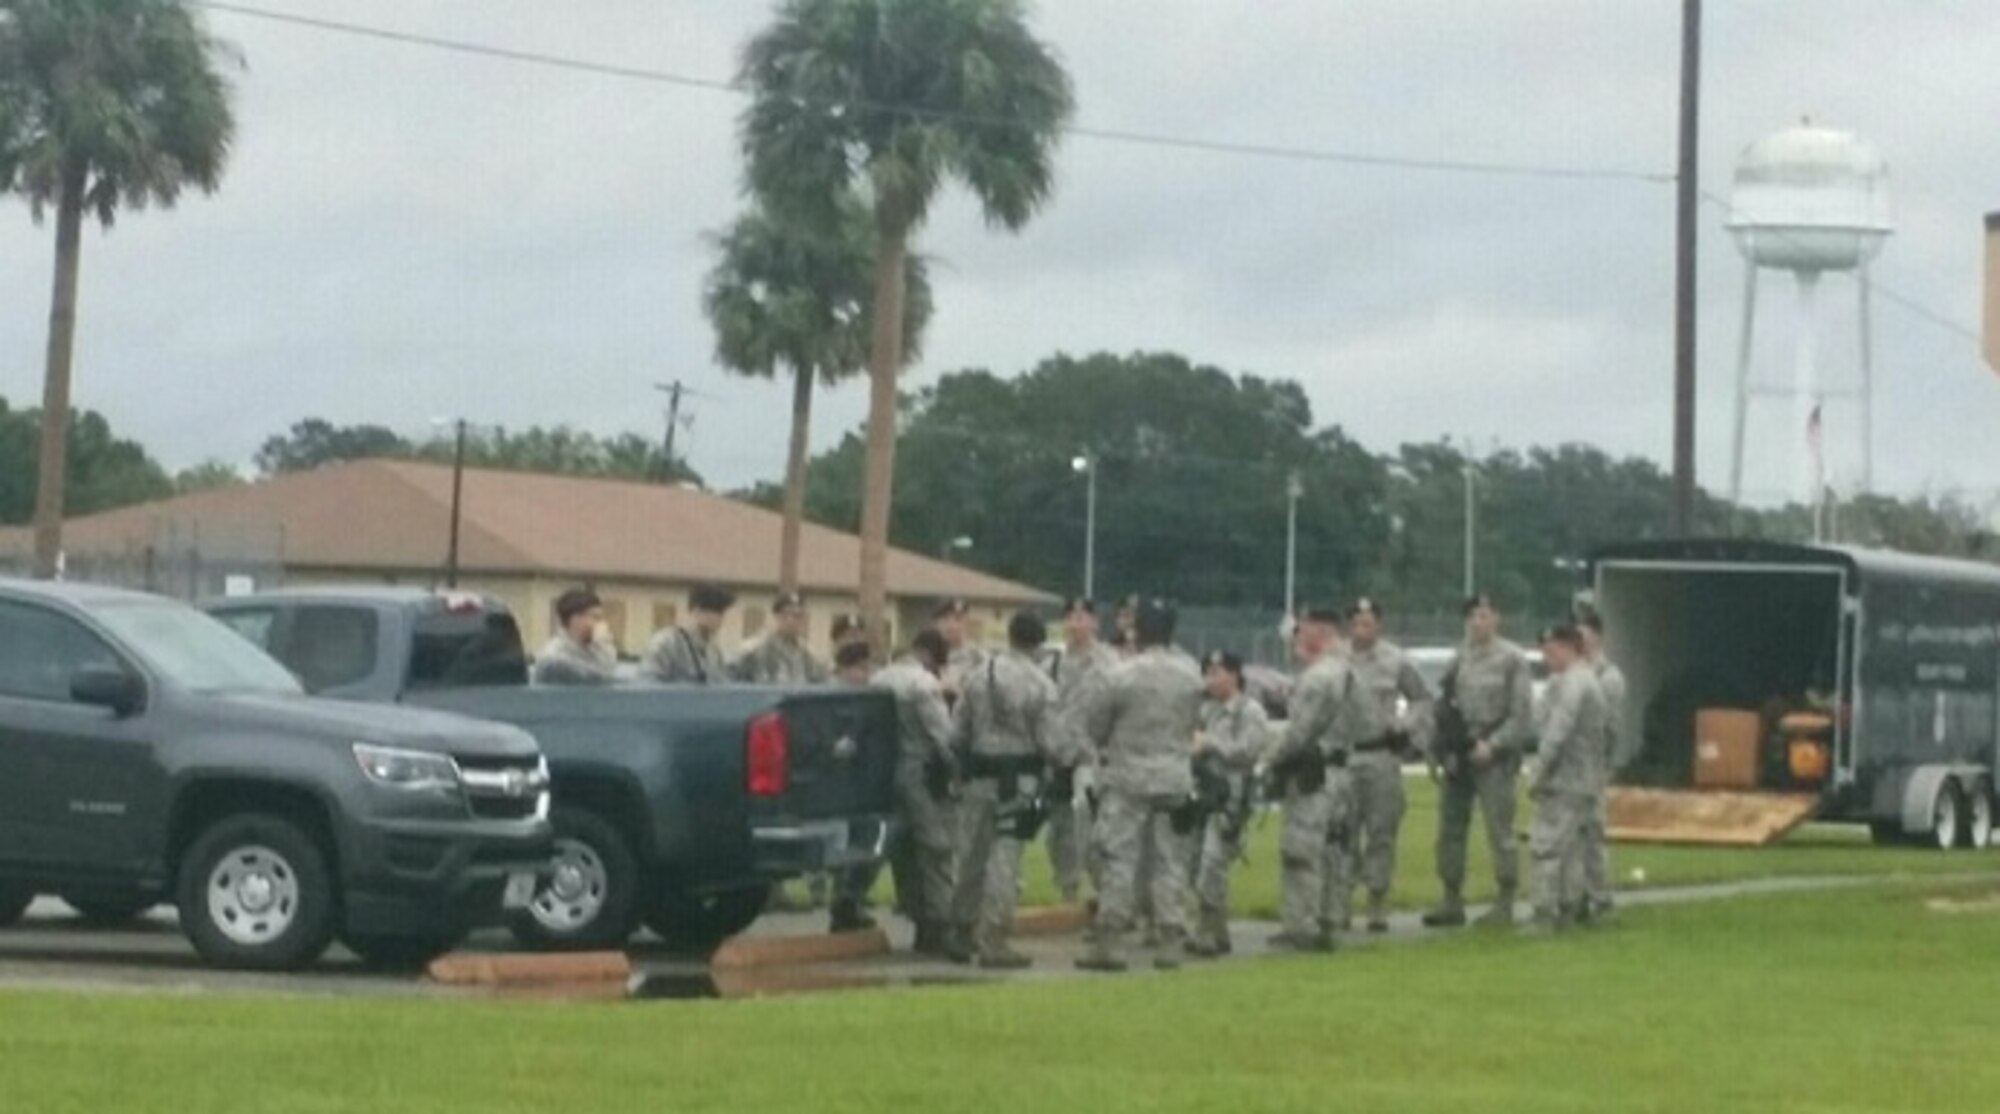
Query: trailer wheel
x=1979, y=816
x=1947, y=816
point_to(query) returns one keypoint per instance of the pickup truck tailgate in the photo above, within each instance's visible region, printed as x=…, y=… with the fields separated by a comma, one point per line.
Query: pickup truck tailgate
x=841, y=756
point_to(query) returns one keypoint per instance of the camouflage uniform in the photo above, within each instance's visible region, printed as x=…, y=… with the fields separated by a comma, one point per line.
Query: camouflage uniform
x=1567, y=773
x=921, y=860
x=565, y=661
x=1074, y=672
x=1142, y=722
x=1386, y=676
x=1495, y=691
x=1005, y=729
x=1314, y=846
x=962, y=663
x=778, y=661
x=679, y=656
x=1236, y=730
x=1596, y=884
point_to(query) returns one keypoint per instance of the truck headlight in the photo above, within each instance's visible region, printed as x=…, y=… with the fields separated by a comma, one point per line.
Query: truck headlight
x=406, y=769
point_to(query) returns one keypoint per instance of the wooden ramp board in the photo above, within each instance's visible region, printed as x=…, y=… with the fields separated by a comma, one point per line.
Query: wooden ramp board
x=1734, y=819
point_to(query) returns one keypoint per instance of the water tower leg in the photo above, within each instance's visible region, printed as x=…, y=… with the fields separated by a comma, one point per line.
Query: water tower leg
x=1743, y=381
x=1805, y=387
x=1867, y=383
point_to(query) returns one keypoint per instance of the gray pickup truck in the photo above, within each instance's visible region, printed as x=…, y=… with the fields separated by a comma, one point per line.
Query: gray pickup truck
x=679, y=808
x=147, y=755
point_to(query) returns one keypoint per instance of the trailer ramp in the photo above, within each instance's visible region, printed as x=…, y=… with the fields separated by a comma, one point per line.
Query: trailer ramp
x=1727, y=818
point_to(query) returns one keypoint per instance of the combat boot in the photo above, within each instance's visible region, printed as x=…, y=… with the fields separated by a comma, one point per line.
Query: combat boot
x=1378, y=913
x=1101, y=959
x=1450, y=914
x=1502, y=913
x=847, y=916
x=1003, y=958
x=958, y=946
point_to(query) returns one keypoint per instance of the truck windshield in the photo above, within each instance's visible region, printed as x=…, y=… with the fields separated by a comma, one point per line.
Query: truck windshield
x=193, y=651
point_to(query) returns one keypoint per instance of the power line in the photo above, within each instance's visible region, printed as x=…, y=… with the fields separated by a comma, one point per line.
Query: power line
x=1105, y=135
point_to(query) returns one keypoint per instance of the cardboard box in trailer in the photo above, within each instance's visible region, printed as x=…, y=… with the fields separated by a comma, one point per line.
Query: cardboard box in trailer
x=1771, y=683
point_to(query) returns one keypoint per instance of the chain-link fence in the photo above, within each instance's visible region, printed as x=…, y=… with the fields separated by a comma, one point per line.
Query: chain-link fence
x=184, y=559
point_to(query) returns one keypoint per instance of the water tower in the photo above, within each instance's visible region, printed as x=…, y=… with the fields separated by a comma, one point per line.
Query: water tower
x=1808, y=200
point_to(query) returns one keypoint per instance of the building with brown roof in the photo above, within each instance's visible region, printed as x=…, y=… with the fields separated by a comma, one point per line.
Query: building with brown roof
x=524, y=538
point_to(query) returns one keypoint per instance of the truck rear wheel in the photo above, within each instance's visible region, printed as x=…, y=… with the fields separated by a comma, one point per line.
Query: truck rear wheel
x=1948, y=816
x=1979, y=816
x=14, y=902
x=701, y=922
x=256, y=893
x=590, y=898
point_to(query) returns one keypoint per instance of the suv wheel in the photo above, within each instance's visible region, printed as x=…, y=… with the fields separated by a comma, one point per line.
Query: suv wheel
x=256, y=893
x=14, y=902
x=590, y=897
x=700, y=923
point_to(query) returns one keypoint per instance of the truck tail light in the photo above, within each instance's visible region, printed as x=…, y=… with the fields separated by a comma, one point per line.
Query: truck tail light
x=767, y=755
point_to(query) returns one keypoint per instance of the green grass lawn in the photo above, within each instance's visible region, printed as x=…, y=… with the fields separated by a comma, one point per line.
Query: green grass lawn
x=1850, y=1001
x=1817, y=849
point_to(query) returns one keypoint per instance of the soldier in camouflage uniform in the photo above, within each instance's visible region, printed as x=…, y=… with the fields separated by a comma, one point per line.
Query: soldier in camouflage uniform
x=1004, y=730
x=781, y=657
x=922, y=859
x=690, y=654
x=1234, y=732
x=1401, y=706
x=949, y=620
x=1080, y=664
x=1597, y=847
x=1308, y=764
x=1564, y=786
x=581, y=652
x=1142, y=722
x=1494, y=690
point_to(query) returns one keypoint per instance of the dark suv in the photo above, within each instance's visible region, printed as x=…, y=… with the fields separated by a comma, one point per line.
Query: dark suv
x=148, y=754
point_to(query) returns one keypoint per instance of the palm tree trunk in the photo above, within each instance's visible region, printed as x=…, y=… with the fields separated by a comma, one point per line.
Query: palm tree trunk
x=879, y=477
x=52, y=479
x=795, y=480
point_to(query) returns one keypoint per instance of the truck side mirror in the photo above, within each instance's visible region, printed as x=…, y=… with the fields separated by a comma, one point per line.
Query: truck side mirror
x=102, y=686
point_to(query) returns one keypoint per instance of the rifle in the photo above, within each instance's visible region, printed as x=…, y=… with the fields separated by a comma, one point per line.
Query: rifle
x=1451, y=742
x=1212, y=794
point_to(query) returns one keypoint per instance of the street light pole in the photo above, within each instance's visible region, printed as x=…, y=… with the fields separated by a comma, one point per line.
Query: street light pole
x=1293, y=490
x=457, y=503
x=1087, y=464
x=1471, y=531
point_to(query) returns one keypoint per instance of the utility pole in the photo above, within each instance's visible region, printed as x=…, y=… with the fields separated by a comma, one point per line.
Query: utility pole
x=673, y=391
x=1087, y=464
x=1686, y=201
x=457, y=502
x=1293, y=490
x=1471, y=529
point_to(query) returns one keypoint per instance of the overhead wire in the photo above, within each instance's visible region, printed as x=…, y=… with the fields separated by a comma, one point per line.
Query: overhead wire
x=1106, y=135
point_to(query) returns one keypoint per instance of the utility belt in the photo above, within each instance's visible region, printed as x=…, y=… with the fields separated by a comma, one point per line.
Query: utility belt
x=991, y=767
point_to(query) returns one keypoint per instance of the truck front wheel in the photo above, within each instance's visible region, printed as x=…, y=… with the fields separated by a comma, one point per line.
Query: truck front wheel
x=591, y=896
x=701, y=922
x=256, y=893
x=14, y=902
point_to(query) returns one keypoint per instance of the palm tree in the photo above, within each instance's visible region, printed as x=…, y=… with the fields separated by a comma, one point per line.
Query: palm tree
x=102, y=103
x=788, y=293
x=889, y=100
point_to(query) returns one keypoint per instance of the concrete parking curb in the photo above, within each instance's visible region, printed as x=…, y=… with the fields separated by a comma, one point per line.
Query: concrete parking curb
x=775, y=951
x=529, y=969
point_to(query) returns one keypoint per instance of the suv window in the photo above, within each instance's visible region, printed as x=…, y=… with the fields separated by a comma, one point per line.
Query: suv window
x=254, y=624
x=331, y=646
x=466, y=650
x=40, y=651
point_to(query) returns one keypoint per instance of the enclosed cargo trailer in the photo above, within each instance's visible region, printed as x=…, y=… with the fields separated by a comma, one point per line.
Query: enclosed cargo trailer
x=1771, y=683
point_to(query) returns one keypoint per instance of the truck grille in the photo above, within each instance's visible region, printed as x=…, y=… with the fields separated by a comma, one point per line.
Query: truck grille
x=506, y=788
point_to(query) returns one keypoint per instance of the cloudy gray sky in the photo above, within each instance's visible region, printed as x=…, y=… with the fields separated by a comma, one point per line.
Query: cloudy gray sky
x=406, y=233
